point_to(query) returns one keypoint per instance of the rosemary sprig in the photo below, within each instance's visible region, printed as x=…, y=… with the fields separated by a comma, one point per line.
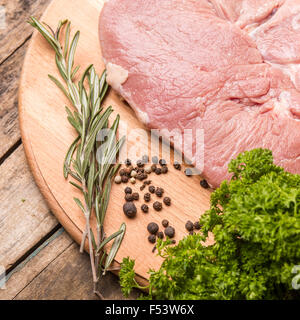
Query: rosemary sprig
x=91, y=170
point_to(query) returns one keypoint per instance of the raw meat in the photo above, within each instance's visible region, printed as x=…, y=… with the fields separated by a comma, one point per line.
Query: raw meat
x=211, y=65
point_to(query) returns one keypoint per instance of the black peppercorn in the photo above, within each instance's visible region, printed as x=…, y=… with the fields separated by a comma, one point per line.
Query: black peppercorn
x=152, y=227
x=151, y=189
x=157, y=206
x=165, y=223
x=128, y=190
x=188, y=172
x=135, y=196
x=128, y=162
x=147, y=182
x=159, y=192
x=170, y=232
x=204, y=184
x=145, y=208
x=155, y=160
x=160, y=235
x=145, y=158
x=129, y=209
x=189, y=226
x=140, y=176
x=153, y=167
x=158, y=171
x=164, y=170
x=124, y=179
x=140, y=163
x=147, y=197
x=162, y=162
x=197, y=225
x=177, y=165
x=142, y=187
x=123, y=172
x=128, y=197
x=152, y=238
x=167, y=201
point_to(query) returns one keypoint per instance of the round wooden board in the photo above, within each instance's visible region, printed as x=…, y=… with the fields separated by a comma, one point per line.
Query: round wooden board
x=46, y=135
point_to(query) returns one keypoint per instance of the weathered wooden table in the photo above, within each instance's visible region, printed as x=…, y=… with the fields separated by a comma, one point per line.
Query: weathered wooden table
x=40, y=259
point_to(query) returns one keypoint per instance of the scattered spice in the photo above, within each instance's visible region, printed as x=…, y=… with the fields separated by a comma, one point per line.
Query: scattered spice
x=177, y=165
x=142, y=187
x=129, y=209
x=155, y=160
x=135, y=196
x=124, y=179
x=204, y=184
x=133, y=173
x=147, y=182
x=160, y=235
x=159, y=192
x=147, y=197
x=170, y=232
x=153, y=167
x=197, y=225
x=189, y=226
x=152, y=227
x=151, y=189
x=145, y=208
x=128, y=162
x=158, y=171
x=140, y=163
x=162, y=162
x=118, y=179
x=173, y=241
x=157, y=206
x=128, y=197
x=148, y=169
x=128, y=190
x=154, y=248
x=165, y=223
x=167, y=201
x=164, y=170
x=188, y=172
x=132, y=180
x=152, y=238
x=123, y=172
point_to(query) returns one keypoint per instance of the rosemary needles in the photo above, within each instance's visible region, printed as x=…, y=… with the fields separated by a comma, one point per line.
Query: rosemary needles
x=91, y=158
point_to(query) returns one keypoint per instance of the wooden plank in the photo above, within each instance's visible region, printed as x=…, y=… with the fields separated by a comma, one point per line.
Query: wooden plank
x=47, y=135
x=9, y=79
x=24, y=217
x=15, y=28
x=58, y=272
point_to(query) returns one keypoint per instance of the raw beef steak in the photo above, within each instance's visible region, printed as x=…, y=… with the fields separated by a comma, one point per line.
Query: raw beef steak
x=227, y=67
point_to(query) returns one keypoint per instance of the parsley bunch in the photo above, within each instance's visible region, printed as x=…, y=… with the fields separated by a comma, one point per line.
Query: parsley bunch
x=255, y=219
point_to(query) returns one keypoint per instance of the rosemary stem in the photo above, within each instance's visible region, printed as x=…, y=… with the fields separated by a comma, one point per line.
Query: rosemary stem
x=84, y=235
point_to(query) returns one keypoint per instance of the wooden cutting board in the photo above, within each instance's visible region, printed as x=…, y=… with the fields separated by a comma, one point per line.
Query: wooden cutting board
x=46, y=136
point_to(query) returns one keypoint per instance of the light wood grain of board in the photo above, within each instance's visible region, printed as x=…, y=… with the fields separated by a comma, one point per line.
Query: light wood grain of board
x=17, y=29
x=47, y=135
x=22, y=223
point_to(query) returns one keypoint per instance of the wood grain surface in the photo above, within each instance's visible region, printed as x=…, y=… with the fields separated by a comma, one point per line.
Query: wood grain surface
x=31, y=238
x=46, y=136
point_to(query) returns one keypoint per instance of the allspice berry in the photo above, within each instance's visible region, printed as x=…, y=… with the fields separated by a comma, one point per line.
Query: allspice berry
x=160, y=235
x=157, y=206
x=165, y=223
x=147, y=197
x=152, y=227
x=170, y=232
x=129, y=209
x=128, y=190
x=152, y=238
x=145, y=208
x=167, y=201
x=135, y=196
x=189, y=226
